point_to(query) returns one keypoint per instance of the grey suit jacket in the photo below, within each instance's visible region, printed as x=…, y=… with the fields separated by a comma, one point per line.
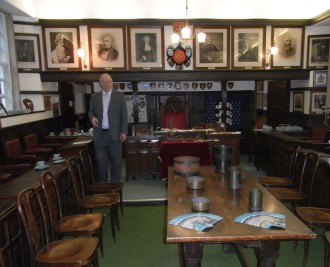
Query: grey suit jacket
x=117, y=114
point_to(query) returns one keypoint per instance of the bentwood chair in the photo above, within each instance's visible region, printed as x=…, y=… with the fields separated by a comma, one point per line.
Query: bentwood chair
x=93, y=187
x=275, y=181
x=326, y=248
x=42, y=250
x=301, y=191
x=71, y=225
x=92, y=202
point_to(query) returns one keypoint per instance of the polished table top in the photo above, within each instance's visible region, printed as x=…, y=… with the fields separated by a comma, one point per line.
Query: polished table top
x=228, y=204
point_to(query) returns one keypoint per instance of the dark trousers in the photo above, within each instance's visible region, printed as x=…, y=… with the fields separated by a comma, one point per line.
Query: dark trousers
x=106, y=149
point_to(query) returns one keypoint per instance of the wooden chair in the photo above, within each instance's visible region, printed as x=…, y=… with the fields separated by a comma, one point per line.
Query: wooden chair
x=72, y=225
x=300, y=193
x=16, y=154
x=42, y=250
x=271, y=181
x=92, y=202
x=326, y=248
x=92, y=187
x=31, y=142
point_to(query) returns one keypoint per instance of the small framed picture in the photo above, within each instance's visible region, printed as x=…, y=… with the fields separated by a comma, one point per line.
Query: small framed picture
x=248, y=47
x=318, y=51
x=298, y=101
x=28, y=52
x=60, y=48
x=318, y=100
x=107, y=47
x=320, y=78
x=289, y=42
x=146, y=48
x=214, y=53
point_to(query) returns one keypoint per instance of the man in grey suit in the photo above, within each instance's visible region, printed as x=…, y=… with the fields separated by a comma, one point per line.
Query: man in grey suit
x=108, y=115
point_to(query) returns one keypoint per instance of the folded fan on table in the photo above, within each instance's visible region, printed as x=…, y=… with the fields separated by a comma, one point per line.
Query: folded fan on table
x=268, y=220
x=197, y=221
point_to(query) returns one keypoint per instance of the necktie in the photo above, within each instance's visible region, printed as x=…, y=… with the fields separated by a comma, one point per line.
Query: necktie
x=106, y=100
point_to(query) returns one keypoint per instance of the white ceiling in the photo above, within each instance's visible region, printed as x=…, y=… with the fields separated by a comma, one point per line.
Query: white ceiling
x=166, y=9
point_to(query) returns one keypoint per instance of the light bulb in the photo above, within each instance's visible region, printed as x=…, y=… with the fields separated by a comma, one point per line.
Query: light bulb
x=186, y=32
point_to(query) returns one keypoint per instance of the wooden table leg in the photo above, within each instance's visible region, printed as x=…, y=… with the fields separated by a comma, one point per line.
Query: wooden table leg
x=267, y=253
x=190, y=254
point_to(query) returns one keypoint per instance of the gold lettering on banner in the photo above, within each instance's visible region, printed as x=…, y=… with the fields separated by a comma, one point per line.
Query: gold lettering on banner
x=27, y=69
x=108, y=68
x=248, y=68
x=211, y=68
x=63, y=68
x=146, y=68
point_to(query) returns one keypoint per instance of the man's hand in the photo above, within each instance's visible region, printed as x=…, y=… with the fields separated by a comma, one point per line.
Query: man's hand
x=95, y=122
x=122, y=137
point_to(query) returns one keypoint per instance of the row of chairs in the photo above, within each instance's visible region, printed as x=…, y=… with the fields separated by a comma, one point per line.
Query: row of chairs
x=297, y=190
x=45, y=225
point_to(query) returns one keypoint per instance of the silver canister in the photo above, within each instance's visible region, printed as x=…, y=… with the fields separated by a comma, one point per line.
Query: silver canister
x=255, y=199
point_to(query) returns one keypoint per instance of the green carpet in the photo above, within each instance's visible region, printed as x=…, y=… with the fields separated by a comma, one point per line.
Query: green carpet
x=141, y=243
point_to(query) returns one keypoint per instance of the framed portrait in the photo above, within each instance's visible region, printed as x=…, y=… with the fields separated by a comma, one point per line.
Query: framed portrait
x=107, y=47
x=320, y=78
x=318, y=51
x=260, y=100
x=248, y=47
x=318, y=100
x=146, y=47
x=28, y=52
x=289, y=42
x=298, y=101
x=60, y=48
x=214, y=53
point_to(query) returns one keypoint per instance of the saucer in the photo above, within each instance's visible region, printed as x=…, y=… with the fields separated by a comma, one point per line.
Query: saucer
x=41, y=168
x=59, y=161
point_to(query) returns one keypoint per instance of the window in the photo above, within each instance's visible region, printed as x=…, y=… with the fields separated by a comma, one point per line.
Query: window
x=5, y=81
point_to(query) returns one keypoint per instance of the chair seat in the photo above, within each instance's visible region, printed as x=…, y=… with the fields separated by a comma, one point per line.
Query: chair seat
x=314, y=215
x=288, y=195
x=73, y=251
x=272, y=181
x=100, y=200
x=79, y=224
x=113, y=187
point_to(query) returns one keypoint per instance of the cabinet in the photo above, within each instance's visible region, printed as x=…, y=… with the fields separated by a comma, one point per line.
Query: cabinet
x=141, y=155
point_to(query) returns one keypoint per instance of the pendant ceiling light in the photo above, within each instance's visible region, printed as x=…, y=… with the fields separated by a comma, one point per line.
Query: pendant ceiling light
x=187, y=32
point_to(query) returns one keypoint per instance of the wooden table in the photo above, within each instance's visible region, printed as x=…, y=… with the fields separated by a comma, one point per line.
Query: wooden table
x=228, y=204
x=73, y=147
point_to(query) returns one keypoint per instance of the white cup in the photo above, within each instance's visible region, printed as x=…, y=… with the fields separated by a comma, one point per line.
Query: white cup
x=52, y=134
x=41, y=164
x=56, y=156
x=61, y=133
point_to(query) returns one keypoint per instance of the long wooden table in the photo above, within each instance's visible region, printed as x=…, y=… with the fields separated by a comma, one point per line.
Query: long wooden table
x=228, y=204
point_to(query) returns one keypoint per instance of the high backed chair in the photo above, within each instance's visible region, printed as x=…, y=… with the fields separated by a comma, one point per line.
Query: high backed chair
x=92, y=187
x=174, y=114
x=15, y=154
x=72, y=225
x=271, y=181
x=42, y=250
x=100, y=201
x=31, y=142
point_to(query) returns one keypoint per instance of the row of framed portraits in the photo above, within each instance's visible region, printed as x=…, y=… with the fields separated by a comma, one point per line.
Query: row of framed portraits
x=225, y=47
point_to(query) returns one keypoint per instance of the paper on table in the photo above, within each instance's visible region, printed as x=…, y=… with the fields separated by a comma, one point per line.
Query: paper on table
x=197, y=221
x=81, y=142
x=263, y=219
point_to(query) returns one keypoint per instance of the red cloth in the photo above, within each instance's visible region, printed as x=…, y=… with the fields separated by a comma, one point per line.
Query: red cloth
x=176, y=148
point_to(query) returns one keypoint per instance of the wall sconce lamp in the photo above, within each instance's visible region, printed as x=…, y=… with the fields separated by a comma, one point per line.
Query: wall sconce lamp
x=82, y=54
x=272, y=51
x=182, y=30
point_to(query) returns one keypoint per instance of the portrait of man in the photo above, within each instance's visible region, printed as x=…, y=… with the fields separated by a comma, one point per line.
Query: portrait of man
x=248, y=46
x=25, y=51
x=62, y=48
x=146, y=49
x=211, y=51
x=287, y=47
x=107, y=52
